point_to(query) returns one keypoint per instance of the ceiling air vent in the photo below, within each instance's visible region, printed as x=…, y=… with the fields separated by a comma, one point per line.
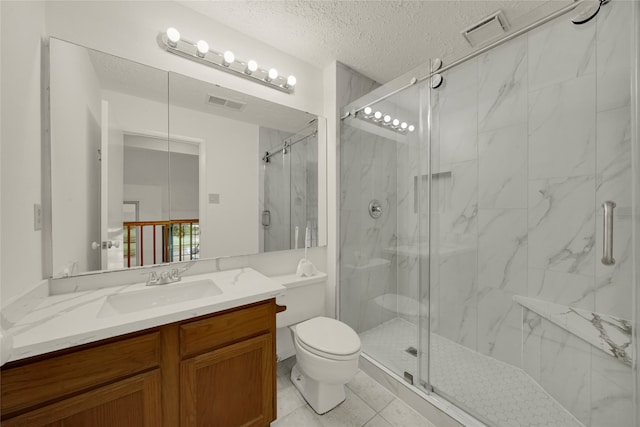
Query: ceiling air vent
x=224, y=102
x=490, y=28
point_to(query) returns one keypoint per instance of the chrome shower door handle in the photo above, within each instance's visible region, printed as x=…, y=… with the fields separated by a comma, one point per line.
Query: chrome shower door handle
x=607, y=237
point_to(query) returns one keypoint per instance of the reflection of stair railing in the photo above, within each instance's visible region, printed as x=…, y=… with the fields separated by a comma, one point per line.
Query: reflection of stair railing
x=180, y=239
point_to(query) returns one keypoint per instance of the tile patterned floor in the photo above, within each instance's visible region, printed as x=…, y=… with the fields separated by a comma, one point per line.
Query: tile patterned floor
x=493, y=391
x=368, y=404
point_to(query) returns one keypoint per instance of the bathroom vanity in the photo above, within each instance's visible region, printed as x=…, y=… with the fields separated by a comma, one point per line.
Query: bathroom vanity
x=213, y=369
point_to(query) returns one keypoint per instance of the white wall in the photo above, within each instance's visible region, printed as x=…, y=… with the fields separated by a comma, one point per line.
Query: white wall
x=147, y=169
x=230, y=227
x=231, y=158
x=184, y=185
x=22, y=26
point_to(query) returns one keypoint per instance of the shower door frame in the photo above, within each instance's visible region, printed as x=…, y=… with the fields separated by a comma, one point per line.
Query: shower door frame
x=635, y=173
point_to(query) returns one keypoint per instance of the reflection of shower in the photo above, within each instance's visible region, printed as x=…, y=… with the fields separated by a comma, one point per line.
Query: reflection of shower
x=587, y=10
x=287, y=143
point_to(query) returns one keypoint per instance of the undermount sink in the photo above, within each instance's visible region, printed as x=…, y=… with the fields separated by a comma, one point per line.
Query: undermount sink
x=158, y=296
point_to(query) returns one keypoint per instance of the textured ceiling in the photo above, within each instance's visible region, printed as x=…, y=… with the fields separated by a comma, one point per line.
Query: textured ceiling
x=381, y=39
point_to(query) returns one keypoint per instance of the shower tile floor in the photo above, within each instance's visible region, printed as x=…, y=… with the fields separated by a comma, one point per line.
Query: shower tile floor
x=493, y=391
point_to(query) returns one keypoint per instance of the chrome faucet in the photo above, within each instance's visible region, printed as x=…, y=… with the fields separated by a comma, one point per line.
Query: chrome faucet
x=163, y=278
x=168, y=276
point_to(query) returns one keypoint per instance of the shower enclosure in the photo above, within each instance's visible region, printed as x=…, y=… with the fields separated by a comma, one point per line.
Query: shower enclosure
x=474, y=243
x=288, y=188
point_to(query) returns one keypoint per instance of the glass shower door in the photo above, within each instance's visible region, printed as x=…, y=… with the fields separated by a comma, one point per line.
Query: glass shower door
x=528, y=141
x=381, y=245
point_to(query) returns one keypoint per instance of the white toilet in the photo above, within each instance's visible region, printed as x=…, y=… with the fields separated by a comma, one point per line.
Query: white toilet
x=327, y=350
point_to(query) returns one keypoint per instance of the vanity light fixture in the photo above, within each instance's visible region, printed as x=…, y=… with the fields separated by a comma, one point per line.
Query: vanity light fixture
x=172, y=42
x=291, y=81
x=173, y=37
x=384, y=120
x=202, y=47
x=252, y=66
x=271, y=75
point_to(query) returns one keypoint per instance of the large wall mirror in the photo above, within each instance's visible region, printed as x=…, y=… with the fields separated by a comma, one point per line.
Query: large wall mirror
x=150, y=167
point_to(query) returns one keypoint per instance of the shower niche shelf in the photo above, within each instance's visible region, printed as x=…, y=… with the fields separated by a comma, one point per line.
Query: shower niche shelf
x=608, y=333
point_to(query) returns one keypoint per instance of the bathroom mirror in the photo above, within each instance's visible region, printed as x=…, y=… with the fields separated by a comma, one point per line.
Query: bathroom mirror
x=150, y=166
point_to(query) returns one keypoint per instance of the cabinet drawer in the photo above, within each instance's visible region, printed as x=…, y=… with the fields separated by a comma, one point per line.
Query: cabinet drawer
x=50, y=379
x=202, y=335
x=132, y=402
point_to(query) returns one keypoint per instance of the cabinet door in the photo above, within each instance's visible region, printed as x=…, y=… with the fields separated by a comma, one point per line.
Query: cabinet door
x=229, y=387
x=133, y=402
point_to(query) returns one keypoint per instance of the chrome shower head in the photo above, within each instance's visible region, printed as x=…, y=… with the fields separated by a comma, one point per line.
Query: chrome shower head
x=587, y=10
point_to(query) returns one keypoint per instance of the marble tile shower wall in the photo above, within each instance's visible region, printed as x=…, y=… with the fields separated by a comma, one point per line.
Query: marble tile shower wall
x=531, y=138
x=275, y=181
x=368, y=165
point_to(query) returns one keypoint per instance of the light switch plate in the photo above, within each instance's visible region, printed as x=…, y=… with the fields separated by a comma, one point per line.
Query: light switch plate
x=214, y=198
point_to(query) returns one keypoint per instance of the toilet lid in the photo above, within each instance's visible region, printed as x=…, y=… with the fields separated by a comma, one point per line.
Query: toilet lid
x=328, y=336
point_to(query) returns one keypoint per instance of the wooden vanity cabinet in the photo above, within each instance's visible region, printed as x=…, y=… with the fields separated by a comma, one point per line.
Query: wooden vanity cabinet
x=216, y=370
x=227, y=371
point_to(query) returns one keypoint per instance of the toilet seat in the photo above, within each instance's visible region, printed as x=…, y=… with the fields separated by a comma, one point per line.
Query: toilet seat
x=328, y=338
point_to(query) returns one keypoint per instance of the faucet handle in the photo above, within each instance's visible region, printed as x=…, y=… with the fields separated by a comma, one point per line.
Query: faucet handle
x=153, y=278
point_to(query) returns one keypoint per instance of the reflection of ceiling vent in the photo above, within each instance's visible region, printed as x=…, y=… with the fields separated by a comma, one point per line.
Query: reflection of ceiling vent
x=224, y=102
x=490, y=28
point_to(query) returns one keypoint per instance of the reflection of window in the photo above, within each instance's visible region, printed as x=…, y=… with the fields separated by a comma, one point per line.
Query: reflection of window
x=130, y=237
x=155, y=242
x=130, y=213
x=185, y=241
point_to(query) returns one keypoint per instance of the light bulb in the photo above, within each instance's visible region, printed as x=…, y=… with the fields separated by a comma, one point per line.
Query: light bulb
x=228, y=57
x=377, y=115
x=367, y=111
x=403, y=125
x=387, y=118
x=173, y=36
x=412, y=128
x=291, y=81
x=396, y=122
x=251, y=66
x=273, y=74
x=203, y=48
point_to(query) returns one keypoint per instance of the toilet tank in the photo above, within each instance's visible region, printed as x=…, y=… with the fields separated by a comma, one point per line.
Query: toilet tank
x=304, y=298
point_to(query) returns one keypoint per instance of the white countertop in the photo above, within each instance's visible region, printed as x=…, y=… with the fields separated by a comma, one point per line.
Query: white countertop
x=67, y=320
